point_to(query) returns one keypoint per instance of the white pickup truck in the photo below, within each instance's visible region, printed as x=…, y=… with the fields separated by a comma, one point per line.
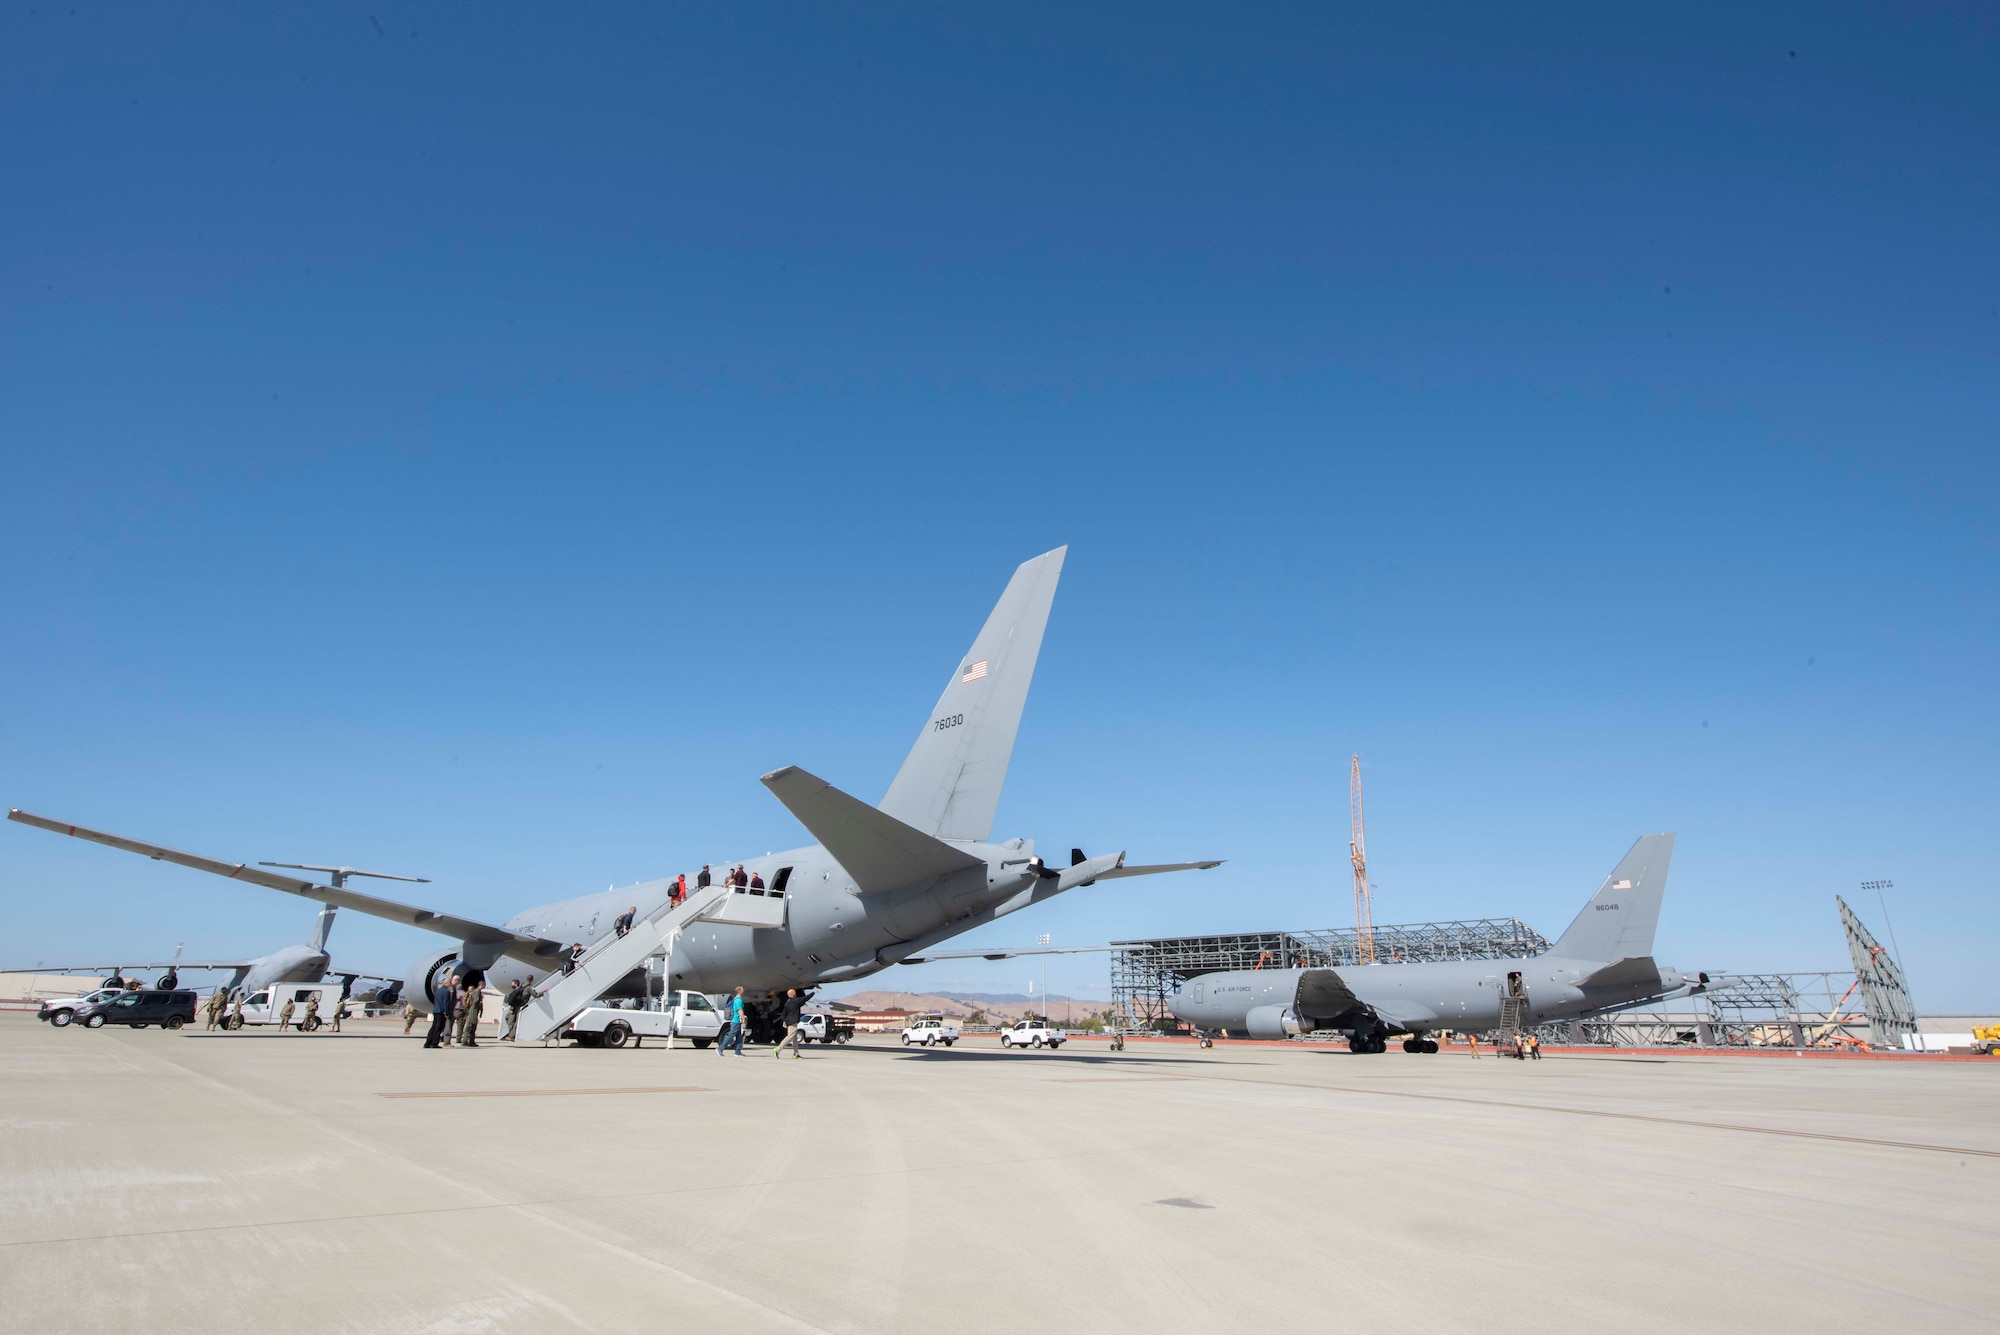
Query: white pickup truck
x=687, y=1015
x=930, y=1031
x=1032, y=1034
x=62, y=1011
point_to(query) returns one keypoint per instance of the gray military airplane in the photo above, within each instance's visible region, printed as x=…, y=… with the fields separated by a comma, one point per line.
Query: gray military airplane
x=1603, y=962
x=883, y=882
x=307, y=962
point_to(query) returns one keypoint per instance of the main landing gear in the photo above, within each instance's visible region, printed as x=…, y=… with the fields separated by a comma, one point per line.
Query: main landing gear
x=1420, y=1043
x=1375, y=1042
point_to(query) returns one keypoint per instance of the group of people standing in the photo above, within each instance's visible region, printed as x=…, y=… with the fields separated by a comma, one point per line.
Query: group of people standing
x=459, y=1003
x=224, y=1010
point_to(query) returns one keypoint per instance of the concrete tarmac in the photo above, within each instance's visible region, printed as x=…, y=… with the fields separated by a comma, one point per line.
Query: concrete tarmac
x=284, y=1183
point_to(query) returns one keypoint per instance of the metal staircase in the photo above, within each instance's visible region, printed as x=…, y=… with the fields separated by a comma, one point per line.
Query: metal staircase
x=1513, y=1004
x=558, y=998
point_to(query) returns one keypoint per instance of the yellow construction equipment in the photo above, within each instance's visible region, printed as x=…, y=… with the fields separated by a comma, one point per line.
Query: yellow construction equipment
x=1357, y=853
x=1986, y=1039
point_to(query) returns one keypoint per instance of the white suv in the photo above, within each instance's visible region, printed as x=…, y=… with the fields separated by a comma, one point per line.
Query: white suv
x=63, y=1010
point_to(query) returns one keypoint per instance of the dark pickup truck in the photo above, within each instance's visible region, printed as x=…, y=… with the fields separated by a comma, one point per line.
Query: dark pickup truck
x=169, y=1010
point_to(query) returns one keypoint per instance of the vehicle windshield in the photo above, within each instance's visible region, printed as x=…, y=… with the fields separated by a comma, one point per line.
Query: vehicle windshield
x=129, y=999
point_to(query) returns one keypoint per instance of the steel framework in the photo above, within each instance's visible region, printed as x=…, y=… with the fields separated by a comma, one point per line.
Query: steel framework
x=1145, y=973
x=1751, y=1010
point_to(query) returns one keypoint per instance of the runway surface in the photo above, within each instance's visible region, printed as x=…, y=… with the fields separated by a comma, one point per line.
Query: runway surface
x=289, y=1183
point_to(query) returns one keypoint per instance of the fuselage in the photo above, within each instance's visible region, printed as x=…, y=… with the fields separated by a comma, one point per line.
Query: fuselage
x=1412, y=998
x=832, y=931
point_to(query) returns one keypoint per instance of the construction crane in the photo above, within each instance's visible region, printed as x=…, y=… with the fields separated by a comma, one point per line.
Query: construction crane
x=1357, y=853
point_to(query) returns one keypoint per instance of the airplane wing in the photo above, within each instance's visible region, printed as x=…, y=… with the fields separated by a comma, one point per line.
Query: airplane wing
x=1156, y=868
x=1009, y=952
x=518, y=944
x=129, y=964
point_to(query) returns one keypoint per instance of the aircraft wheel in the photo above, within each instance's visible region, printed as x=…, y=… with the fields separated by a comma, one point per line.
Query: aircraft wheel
x=63, y=1018
x=616, y=1033
x=1411, y=1045
x=1430, y=1045
x=94, y=1022
x=174, y=1022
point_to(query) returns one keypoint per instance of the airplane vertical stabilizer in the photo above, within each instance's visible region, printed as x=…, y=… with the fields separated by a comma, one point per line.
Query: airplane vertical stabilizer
x=949, y=785
x=1619, y=921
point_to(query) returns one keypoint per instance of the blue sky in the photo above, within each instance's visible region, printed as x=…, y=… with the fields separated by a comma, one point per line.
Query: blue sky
x=479, y=442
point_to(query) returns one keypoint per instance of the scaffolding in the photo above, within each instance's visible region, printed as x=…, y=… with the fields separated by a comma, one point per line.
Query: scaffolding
x=1752, y=1010
x=1145, y=974
x=1892, y=1016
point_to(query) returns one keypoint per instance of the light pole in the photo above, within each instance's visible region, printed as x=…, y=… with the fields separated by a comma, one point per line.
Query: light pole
x=1043, y=940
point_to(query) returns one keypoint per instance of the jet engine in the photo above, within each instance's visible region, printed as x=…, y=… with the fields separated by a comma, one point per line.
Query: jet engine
x=420, y=984
x=1273, y=1022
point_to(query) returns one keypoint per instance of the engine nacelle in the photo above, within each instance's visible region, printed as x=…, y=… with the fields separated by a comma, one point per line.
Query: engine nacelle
x=421, y=981
x=1273, y=1022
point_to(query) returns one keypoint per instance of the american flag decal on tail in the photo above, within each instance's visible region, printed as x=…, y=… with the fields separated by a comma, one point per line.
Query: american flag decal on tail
x=973, y=671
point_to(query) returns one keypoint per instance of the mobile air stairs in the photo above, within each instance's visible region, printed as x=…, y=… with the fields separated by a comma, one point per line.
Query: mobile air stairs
x=1513, y=1006
x=560, y=997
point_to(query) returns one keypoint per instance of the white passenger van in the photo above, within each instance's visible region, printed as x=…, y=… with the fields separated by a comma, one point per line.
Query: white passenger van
x=267, y=1004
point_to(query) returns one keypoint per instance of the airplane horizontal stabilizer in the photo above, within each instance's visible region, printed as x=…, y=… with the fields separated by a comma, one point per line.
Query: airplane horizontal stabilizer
x=517, y=944
x=880, y=852
x=1006, y=953
x=1156, y=868
x=1640, y=969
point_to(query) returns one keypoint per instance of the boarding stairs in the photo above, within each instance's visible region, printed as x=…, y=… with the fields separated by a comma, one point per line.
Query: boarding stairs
x=560, y=997
x=1513, y=1006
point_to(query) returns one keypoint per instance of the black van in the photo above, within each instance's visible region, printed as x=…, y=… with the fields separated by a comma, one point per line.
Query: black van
x=169, y=1010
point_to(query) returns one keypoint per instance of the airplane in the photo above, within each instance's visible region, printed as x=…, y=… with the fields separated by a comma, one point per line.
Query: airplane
x=1603, y=962
x=308, y=962
x=881, y=883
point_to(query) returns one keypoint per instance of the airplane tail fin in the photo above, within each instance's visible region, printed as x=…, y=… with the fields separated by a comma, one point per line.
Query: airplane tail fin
x=1619, y=921
x=949, y=786
x=323, y=926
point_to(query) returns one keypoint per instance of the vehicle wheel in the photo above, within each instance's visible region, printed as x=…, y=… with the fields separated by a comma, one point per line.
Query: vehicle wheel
x=906, y=1040
x=1038, y=1040
x=702, y=1042
x=174, y=1022
x=841, y=1039
x=949, y=1041
x=233, y=1022
x=616, y=1033
x=94, y=1022
x=309, y=1025
x=62, y=1018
